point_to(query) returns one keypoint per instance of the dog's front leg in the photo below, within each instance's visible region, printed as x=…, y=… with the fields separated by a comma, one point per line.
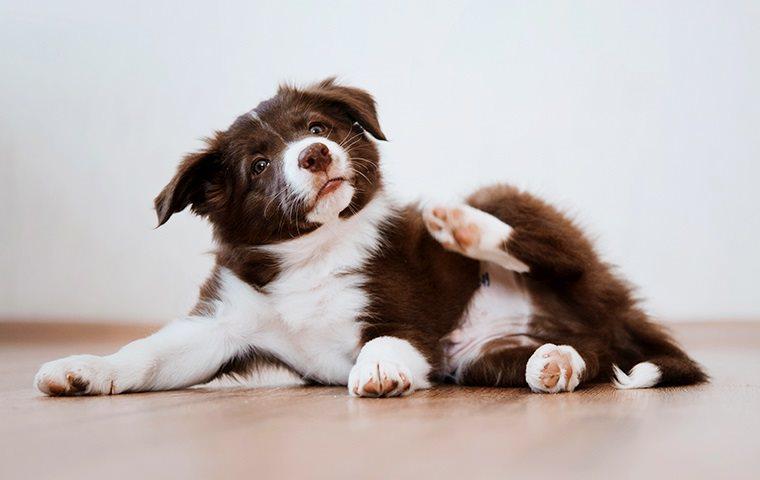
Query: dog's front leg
x=184, y=353
x=388, y=366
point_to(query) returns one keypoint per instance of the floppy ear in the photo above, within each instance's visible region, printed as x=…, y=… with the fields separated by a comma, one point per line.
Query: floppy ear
x=358, y=103
x=197, y=182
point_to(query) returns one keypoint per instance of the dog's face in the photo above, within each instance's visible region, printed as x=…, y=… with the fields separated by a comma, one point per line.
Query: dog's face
x=297, y=161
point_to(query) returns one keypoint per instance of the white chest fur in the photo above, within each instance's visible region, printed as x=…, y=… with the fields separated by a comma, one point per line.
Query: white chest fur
x=309, y=315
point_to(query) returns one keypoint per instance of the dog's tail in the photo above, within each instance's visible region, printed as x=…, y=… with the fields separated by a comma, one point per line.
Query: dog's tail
x=658, y=360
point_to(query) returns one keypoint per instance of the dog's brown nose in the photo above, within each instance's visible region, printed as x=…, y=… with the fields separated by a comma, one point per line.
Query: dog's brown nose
x=315, y=158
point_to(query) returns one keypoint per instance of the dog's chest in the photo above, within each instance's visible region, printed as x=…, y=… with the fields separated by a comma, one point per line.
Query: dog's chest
x=315, y=324
x=317, y=300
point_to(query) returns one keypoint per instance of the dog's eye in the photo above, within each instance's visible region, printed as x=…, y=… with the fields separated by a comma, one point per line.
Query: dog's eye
x=260, y=165
x=317, y=128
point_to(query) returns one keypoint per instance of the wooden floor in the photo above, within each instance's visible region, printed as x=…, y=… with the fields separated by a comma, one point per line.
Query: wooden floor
x=298, y=432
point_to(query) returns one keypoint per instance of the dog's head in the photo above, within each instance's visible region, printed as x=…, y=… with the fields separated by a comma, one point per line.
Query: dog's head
x=297, y=161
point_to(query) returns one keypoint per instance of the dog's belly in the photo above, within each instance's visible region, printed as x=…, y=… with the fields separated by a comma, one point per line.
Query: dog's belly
x=500, y=309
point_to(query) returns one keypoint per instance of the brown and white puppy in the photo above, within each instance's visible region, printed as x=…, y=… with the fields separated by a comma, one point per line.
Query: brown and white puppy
x=319, y=271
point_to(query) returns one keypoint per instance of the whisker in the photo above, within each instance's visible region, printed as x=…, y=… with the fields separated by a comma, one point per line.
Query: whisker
x=276, y=195
x=346, y=140
x=368, y=166
x=353, y=142
x=363, y=175
x=287, y=204
x=363, y=161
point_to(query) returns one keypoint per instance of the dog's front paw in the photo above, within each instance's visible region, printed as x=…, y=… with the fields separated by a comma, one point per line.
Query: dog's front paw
x=388, y=367
x=76, y=375
x=380, y=378
x=554, y=369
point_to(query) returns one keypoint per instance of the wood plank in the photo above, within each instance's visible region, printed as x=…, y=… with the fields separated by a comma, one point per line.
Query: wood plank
x=445, y=432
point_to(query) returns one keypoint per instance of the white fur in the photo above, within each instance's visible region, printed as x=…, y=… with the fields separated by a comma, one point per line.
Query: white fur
x=319, y=294
x=54, y=377
x=642, y=375
x=307, y=317
x=542, y=356
x=306, y=184
x=183, y=353
x=500, y=309
x=386, y=361
x=493, y=234
x=327, y=208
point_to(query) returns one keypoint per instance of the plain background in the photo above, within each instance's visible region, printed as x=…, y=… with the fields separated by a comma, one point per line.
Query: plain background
x=642, y=119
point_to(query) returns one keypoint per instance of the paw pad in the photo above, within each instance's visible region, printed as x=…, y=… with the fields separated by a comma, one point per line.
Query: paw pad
x=557, y=367
x=452, y=229
x=76, y=375
x=553, y=369
x=379, y=379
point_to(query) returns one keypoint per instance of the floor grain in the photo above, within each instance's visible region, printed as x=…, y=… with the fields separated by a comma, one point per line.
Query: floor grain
x=447, y=432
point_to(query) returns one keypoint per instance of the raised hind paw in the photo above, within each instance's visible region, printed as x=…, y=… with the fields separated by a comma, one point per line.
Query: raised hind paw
x=473, y=233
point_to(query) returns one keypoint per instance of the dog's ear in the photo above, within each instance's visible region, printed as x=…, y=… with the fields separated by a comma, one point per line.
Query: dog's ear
x=358, y=103
x=197, y=182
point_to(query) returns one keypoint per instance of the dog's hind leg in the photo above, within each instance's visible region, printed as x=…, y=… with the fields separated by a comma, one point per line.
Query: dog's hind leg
x=548, y=368
x=513, y=229
x=473, y=233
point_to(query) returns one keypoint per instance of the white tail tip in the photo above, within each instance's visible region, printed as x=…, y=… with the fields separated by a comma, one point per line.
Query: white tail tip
x=642, y=375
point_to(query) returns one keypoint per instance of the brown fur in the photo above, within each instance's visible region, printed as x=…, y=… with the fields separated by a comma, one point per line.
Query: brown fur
x=418, y=290
x=582, y=302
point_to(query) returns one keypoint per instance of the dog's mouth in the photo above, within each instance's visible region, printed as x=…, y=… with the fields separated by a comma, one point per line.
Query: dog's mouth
x=330, y=186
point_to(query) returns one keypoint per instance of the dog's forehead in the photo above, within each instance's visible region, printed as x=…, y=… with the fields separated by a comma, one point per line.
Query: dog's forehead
x=270, y=106
x=281, y=107
x=276, y=115
x=269, y=116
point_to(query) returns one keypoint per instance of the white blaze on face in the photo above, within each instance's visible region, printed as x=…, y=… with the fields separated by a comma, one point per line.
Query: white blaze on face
x=306, y=184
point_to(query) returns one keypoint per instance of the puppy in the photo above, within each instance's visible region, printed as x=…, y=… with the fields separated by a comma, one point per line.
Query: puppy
x=319, y=271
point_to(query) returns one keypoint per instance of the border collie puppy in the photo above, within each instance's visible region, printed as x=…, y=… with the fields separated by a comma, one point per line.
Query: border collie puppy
x=319, y=271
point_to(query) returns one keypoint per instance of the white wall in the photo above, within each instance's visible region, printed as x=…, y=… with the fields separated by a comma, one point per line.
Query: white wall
x=642, y=118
